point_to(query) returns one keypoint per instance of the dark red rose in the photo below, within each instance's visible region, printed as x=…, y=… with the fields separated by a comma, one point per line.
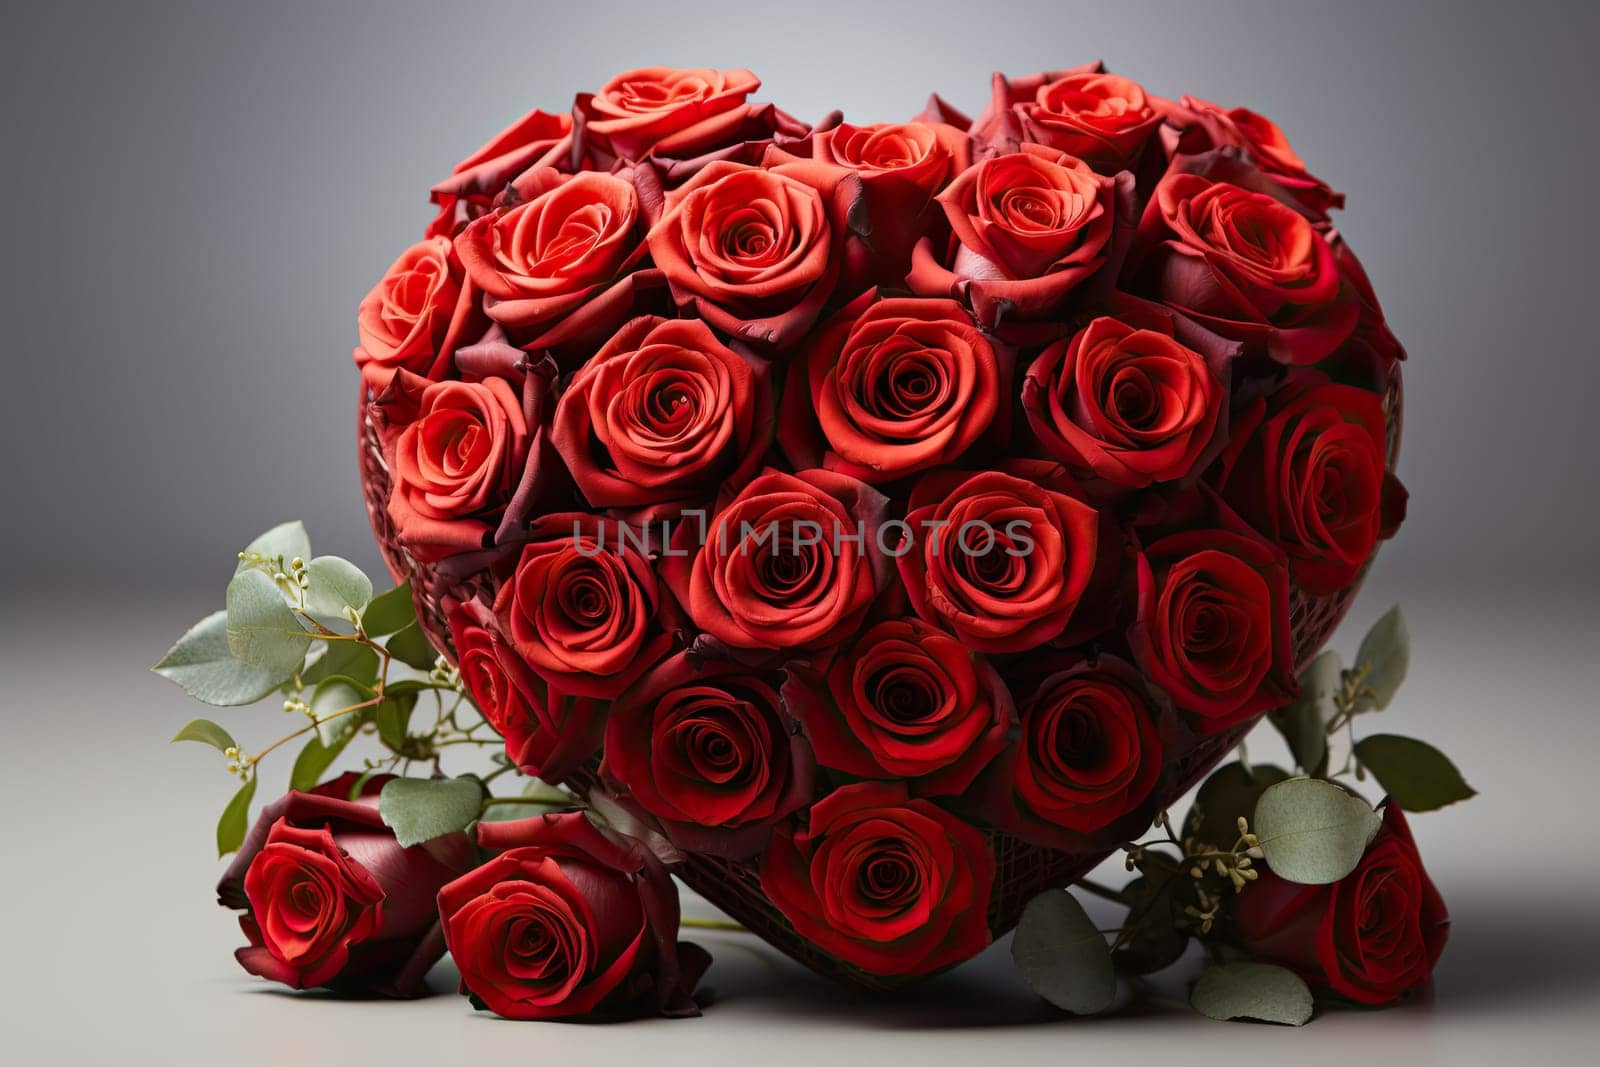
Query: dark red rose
x=1125, y=403
x=1245, y=265
x=331, y=899
x=1089, y=755
x=665, y=414
x=1027, y=229
x=792, y=562
x=553, y=260
x=569, y=921
x=637, y=110
x=1211, y=126
x=1085, y=112
x=537, y=139
x=892, y=387
x=583, y=607
x=1306, y=469
x=416, y=316
x=998, y=561
x=706, y=747
x=1213, y=624
x=1371, y=937
x=757, y=252
x=904, y=700
x=548, y=733
x=892, y=885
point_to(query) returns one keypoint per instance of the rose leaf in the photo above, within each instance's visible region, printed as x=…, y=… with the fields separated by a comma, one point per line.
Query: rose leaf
x=410, y=646
x=1417, y=776
x=313, y=762
x=207, y=732
x=389, y=611
x=235, y=819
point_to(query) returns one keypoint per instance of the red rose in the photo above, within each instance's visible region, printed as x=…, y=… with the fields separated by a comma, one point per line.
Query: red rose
x=1267, y=146
x=583, y=607
x=1085, y=112
x=331, y=899
x=568, y=921
x=792, y=562
x=1126, y=403
x=904, y=701
x=1245, y=265
x=892, y=885
x=1306, y=469
x=1090, y=754
x=537, y=139
x=553, y=262
x=664, y=414
x=998, y=561
x=636, y=110
x=1213, y=624
x=416, y=316
x=1371, y=937
x=455, y=463
x=706, y=748
x=892, y=387
x=548, y=733
x=758, y=252
x=1027, y=228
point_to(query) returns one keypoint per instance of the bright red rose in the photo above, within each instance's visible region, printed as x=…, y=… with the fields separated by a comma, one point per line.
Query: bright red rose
x=892, y=387
x=1027, y=228
x=887, y=883
x=904, y=700
x=758, y=252
x=583, y=607
x=1127, y=404
x=455, y=464
x=706, y=747
x=1245, y=265
x=792, y=562
x=548, y=733
x=416, y=316
x=331, y=899
x=1306, y=469
x=1266, y=144
x=998, y=561
x=1089, y=755
x=569, y=921
x=1213, y=625
x=553, y=261
x=1371, y=937
x=1085, y=112
x=665, y=414
x=537, y=139
x=638, y=109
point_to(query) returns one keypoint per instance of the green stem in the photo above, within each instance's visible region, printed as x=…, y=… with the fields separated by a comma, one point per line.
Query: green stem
x=1104, y=892
x=712, y=924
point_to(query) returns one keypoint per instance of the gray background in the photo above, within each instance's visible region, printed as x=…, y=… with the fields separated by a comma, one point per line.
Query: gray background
x=196, y=198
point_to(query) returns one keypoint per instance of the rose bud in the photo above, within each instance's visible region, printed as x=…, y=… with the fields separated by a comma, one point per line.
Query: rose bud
x=1372, y=937
x=792, y=562
x=998, y=561
x=1026, y=230
x=582, y=607
x=1306, y=468
x=892, y=387
x=904, y=700
x=706, y=748
x=1209, y=126
x=1085, y=112
x=569, y=921
x=416, y=316
x=1213, y=624
x=637, y=109
x=536, y=139
x=889, y=884
x=664, y=415
x=329, y=898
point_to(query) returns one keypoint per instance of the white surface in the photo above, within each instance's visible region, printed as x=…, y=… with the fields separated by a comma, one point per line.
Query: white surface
x=116, y=953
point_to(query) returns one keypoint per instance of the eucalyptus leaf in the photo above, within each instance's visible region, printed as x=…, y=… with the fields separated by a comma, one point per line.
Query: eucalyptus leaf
x=351, y=659
x=334, y=695
x=1312, y=831
x=537, y=798
x=394, y=718
x=421, y=809
x=334, y=584
x=202, y=664
x=313, y=762
x=1259, y=991
x=410, y=646
x=1303, y=724
x=389, y=611
x=286, y=541
x=1062, y=955
x=235, y=820
x=1417, y=776
x=206, y=732
x=1386, y=653
x=262, y=631
x=1231, y=791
